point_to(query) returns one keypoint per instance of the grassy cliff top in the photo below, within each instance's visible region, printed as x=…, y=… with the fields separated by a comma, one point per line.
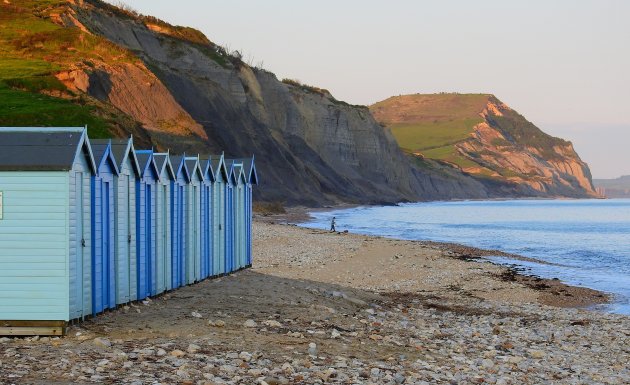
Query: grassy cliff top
x=432, y=124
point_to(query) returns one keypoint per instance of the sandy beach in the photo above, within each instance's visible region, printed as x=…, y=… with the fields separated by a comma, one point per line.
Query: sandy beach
x=320, y=307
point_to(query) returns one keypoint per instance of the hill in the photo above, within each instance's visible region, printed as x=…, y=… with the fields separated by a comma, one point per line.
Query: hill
x=614, y=188
x=485, y=138
x=86, y=62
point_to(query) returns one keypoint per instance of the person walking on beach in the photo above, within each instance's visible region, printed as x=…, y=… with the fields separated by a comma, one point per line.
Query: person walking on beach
x=332, y=225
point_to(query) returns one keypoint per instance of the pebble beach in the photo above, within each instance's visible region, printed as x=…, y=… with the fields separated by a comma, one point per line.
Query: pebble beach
x=339, y=308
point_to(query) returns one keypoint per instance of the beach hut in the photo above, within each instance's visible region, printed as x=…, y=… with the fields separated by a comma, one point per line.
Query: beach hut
x=179, y=216
x=219, y=192
x=125, y=227
x=249, y=165
x=103, y=224
x=146, y=224
x=238, y=190
x=45, y=228
x=230, y=218
x=207, y=263
x=194, y=234
x=163, y=245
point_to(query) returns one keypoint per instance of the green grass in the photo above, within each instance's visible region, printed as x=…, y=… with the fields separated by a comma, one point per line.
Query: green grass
x=22, y=108
x=438, y=133
x=451, y=155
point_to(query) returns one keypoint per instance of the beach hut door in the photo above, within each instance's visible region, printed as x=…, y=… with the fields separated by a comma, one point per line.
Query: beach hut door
x=79, y=242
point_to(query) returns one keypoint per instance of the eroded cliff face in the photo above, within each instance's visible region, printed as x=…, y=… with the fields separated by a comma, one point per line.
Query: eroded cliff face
x=550, y=166
x=486, y=139
x=310, y=148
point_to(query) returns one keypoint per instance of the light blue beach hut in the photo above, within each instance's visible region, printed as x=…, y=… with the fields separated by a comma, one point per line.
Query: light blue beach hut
x=252, y=179
x=230, y=218
x=146, y=224
x=103, y=224
x=163, y=246
x=179, y=215
x=125, y=228
x=219, y=194
x=45, y=227
x=207, y=263
x=237, y=213
x=193, y=255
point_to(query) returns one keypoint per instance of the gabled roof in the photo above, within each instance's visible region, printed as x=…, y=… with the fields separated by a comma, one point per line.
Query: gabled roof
x=220, y=169
x=235, y=168
x=146, y=162
x=193, y=165
x=179, y=165
x=103, y=153
x=121, y=150
x=163, y=162
x=207, y=167
x=249, y=168
x=43, y=149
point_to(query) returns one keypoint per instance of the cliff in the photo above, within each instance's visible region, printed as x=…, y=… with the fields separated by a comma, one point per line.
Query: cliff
x=87, y=62
x=483, y=137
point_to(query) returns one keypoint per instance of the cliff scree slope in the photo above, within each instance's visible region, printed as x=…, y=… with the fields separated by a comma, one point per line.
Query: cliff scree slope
x=81, y=62
x=485, y=138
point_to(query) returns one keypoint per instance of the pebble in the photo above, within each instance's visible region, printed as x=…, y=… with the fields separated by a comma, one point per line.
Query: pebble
x=102, y=342
x=177, y=353
x=250, y=323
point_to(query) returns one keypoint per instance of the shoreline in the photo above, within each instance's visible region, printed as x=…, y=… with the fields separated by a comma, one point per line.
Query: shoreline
x=551, y=291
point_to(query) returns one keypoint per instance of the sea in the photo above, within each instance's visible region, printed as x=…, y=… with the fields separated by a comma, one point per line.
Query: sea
x=583, y=242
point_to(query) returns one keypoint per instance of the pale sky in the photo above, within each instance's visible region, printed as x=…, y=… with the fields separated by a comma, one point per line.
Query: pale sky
x=564, y=65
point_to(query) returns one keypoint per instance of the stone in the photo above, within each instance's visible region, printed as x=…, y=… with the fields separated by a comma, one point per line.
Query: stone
x=538, y=354
x=272, y=324
x=245, y=356
x=218, y=323
x=177, y=353
x=312, y=349
x=335, y=334
x=161, y=352
x=102, y=342
x=250, y=323
x=192, y=348
x=196, y=314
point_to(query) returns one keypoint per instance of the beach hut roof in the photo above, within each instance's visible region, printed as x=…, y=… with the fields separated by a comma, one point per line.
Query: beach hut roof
x=163, y=162
x=147, y=163
x=249, y=169
x=193, y=165
x=103, y=153
x=220, y=167
x=179, y=165
x=236, y=170
x=207, y=167
x=121, y=149
x=42, y=149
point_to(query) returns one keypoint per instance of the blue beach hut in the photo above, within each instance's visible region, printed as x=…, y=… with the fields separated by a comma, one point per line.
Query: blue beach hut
x=230, y=218
x=125, y=228
x=207, y=263
x=45, y=227
x=219, y=194
x=241, y=221
x=179, y=214
x=146, y=224
x=163, y=246
x=252, y=179
x=193, y=255
x=103, y=236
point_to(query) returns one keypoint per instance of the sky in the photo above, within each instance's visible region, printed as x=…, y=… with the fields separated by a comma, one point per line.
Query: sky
x=564, y=65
